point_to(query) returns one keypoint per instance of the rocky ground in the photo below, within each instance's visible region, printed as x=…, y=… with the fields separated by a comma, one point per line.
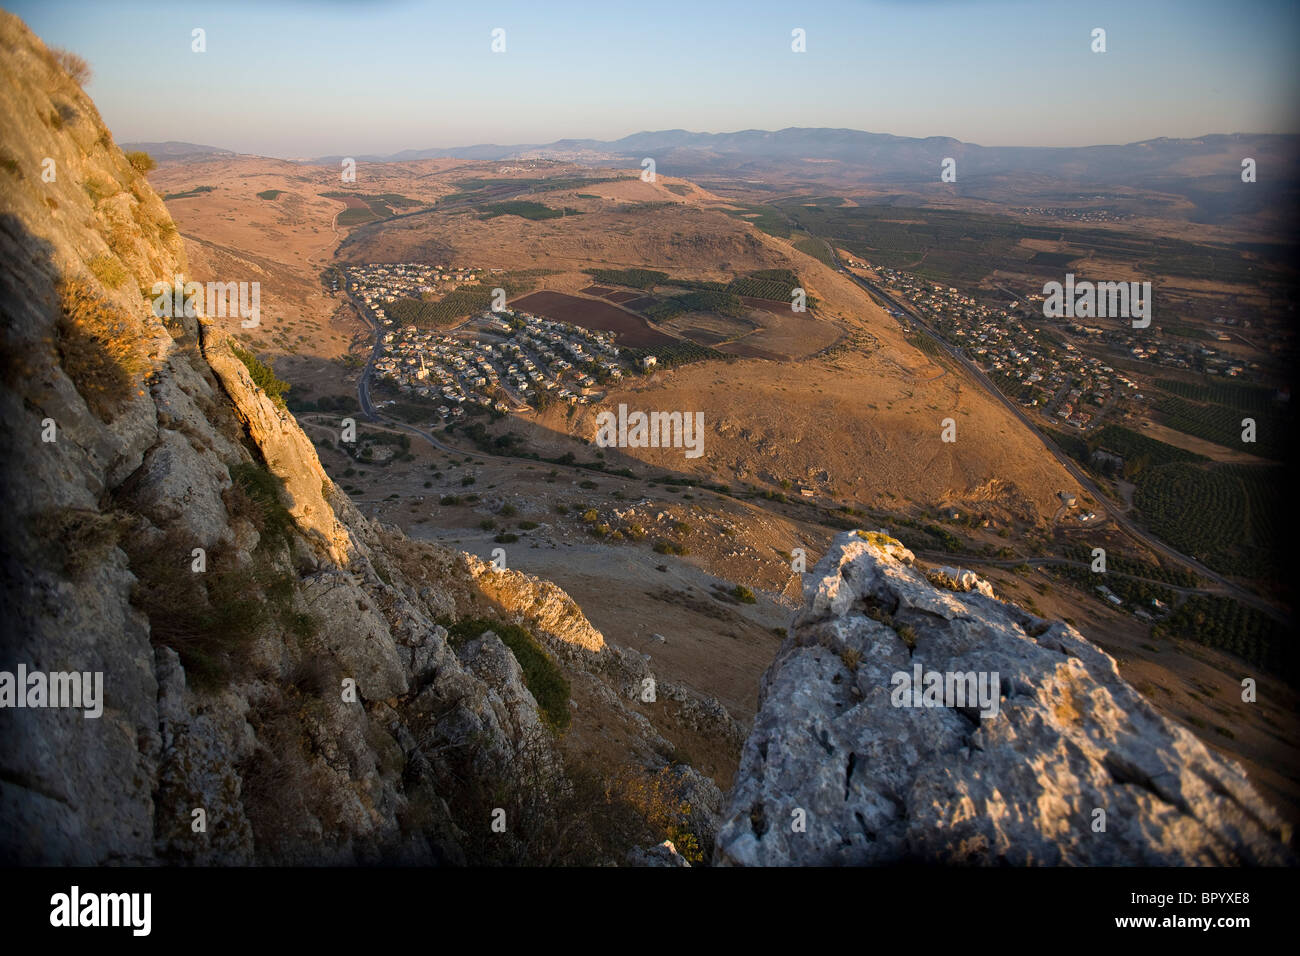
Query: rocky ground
x=1070, y=765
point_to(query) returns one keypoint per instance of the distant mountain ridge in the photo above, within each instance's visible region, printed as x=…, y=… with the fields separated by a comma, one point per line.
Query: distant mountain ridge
x=816, y=142
x=176, y=150
x=1212, y=161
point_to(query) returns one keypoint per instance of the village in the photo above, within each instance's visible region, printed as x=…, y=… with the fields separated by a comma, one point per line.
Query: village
x=1063, y=383
x=501, y=359
x=507, y=361
x=1044, y=370
x=374, y=284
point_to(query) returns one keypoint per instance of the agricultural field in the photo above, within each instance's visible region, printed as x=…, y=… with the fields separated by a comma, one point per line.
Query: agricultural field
x=442, y=311
x=1262, y=487
x=708, y=328
x=1201, y=512
x=368, y=208
x=675, y=354
x=722, y=303
x=1231, y=626
x=1248, y=398
x=1123, y=564
x=767, y=219
x=1223, y=515
x=645, y=279
x=1223, y=425
x=1138, y=451
x=632, y=330
x=815, y=248
x=775, y=284
x=964, y=247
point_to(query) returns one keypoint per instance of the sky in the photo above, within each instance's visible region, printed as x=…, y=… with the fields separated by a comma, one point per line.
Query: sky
x=308, y=78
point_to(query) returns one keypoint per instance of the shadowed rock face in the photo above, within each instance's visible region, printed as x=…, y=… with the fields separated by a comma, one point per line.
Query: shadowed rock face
x=289, y=764
x=842, y=768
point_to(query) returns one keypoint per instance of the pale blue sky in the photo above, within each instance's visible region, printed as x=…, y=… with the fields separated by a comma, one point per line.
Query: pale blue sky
x=297, y=78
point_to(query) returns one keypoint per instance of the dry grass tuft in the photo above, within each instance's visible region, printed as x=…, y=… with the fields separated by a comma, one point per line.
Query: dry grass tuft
x=72, y=64
x=98, y=348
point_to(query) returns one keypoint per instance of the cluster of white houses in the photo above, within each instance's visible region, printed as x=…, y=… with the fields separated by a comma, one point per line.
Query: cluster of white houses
x=376, y=285
x=502, y=360
x=1064, y=383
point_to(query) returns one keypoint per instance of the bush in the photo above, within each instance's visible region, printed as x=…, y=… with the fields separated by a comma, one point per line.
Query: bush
x=263, y=376
x=77, y=539
x=256, y=494
x=657, y=799
x=743, y=594
x=75, y=66
x=209, y=619
x=670, y=547
x=141, y=161
x=108, y=270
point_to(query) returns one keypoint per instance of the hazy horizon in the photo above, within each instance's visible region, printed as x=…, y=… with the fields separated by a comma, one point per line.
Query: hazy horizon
x=720, y=132
x=297, y=80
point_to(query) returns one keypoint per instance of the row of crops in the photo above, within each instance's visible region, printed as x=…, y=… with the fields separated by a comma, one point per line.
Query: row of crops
x=1169, y=574
x=676, y=353
x=1225, y=516
x=1231, y=626
x=1248, y=398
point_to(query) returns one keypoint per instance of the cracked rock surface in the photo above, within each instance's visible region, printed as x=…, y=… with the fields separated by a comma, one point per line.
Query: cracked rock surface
x=1075, y=767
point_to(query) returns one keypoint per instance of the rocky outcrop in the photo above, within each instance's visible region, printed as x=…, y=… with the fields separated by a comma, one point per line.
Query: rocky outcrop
x=1061, y=762
x=661, y=855
x=540, y=604
x=288, y=453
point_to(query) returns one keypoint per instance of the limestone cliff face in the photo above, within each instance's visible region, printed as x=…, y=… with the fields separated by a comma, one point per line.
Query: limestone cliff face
x=842, y=767
x=171, y=527
x=312, y=499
